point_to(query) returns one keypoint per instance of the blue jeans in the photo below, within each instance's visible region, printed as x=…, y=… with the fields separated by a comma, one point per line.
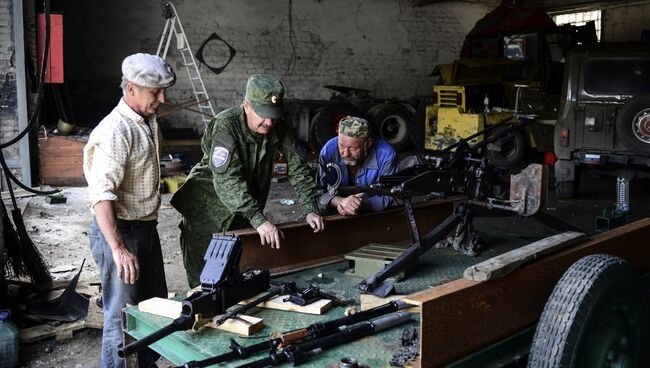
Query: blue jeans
x=142, y=239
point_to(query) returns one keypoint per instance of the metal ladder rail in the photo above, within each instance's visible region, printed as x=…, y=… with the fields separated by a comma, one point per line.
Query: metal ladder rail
x=173, y=27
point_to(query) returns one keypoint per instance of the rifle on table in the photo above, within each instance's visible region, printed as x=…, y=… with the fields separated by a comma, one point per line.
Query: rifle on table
x=458, y=169
x=313, y=331
x=222, y=286
x=304, y=351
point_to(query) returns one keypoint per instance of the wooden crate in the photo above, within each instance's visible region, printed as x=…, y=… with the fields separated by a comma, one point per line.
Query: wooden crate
x=61, y=160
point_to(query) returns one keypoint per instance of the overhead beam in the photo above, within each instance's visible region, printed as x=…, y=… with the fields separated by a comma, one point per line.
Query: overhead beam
x=302, y=247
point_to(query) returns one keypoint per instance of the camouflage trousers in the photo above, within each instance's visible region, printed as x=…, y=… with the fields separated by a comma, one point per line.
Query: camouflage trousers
x=196, y=234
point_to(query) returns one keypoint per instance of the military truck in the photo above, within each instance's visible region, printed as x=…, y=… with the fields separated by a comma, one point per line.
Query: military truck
x=604, y=118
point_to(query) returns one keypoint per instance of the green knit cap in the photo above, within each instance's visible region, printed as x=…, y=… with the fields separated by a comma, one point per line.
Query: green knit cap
x=354, y=127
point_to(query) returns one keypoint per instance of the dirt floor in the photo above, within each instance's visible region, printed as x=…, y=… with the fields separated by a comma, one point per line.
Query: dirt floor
x=61, y=233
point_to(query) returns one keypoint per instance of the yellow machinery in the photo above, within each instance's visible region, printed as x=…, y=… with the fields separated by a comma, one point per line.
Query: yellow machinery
x=447, y=122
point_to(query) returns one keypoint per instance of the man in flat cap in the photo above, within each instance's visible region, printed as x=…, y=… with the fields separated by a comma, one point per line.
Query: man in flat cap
x=228, y=188
x=122, y=168
x=361, y=160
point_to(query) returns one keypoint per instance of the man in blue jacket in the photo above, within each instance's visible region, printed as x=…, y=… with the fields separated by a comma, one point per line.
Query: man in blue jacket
x=361, y=160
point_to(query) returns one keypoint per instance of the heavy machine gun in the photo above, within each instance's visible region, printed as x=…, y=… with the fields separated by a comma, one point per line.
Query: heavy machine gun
x=222, y=286
x=460, y=169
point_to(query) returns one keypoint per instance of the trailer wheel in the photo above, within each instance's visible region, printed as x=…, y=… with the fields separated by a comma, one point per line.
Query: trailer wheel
x=512, y=151
x=633, y=124
x=325, y=124
x=392, y=122
x=597, y=316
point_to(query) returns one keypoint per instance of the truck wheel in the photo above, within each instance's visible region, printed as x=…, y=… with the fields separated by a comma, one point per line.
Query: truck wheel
x=325, y=124
x=633, y=124
x=512, y=152
x=393, y=123
x=597, y=316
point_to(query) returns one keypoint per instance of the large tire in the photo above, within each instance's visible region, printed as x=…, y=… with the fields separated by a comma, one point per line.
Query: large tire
x=512, y=151
x=597, y=316
x=633, y=124
x=393, y=123
x=325, y=124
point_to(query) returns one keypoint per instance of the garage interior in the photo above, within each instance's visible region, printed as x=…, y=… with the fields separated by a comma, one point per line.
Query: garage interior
x=390, y=61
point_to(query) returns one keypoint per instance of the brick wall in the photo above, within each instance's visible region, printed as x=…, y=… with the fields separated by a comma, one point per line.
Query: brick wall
x=389, y=47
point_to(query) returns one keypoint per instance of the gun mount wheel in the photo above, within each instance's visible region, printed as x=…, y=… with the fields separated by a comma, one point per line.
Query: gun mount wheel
x=633, y=124
x=597, y=316
x=512, y=150
x=325, y=124
x=393, y=123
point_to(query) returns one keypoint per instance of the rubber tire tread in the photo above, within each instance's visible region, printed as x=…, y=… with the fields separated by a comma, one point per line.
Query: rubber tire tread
x=499, y=160
x=624, y=126
x=579, y=295
x=380, y=112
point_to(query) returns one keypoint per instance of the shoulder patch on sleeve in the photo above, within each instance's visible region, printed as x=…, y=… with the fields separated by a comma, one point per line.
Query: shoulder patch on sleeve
x=221, y=153
x=219, y=156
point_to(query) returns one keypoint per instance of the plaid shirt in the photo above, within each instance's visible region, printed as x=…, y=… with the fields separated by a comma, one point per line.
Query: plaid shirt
x=121, y=164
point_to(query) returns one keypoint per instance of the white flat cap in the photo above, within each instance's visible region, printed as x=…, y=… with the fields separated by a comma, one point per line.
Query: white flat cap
x=147, y=70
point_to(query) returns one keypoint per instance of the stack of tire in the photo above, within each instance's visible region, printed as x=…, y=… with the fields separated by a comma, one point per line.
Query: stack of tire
x=395, y=122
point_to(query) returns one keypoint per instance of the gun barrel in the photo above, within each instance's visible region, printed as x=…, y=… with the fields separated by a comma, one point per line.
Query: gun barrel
x=179, y=324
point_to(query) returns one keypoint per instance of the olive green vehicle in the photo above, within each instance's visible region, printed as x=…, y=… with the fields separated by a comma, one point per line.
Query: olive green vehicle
x=604, y=117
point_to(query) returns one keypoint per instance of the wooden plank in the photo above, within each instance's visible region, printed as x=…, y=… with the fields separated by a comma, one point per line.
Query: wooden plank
x=341, y=235
x=62, y=160
x=247, y=327
x=318, y=307
x=61, y=332
x=172, y=309
x=95, y=317
x=369, y=301
x=505, y=263
x=61, y=151
x=463, y=316
x=161, y=307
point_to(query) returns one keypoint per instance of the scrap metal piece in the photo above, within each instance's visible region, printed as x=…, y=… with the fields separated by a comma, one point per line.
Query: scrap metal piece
x=70, y=306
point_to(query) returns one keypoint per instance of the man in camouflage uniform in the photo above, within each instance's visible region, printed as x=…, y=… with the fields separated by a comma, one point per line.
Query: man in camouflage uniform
x=361, y=160
x=227, y=189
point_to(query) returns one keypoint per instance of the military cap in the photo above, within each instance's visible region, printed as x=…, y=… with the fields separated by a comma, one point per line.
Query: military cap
x=265, y=92
x=354, y=127
x=147, y=70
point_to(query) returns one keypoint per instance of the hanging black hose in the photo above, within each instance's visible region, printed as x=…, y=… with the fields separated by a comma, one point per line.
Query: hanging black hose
x=39, y=99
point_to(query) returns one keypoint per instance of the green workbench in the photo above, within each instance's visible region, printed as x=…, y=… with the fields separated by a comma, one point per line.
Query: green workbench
x=437, y=266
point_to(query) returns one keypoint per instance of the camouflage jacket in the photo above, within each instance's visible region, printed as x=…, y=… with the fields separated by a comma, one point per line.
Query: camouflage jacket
x=234, y=175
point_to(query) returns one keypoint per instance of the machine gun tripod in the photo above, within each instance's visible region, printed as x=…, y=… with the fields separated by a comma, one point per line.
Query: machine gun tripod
x=460, y=169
